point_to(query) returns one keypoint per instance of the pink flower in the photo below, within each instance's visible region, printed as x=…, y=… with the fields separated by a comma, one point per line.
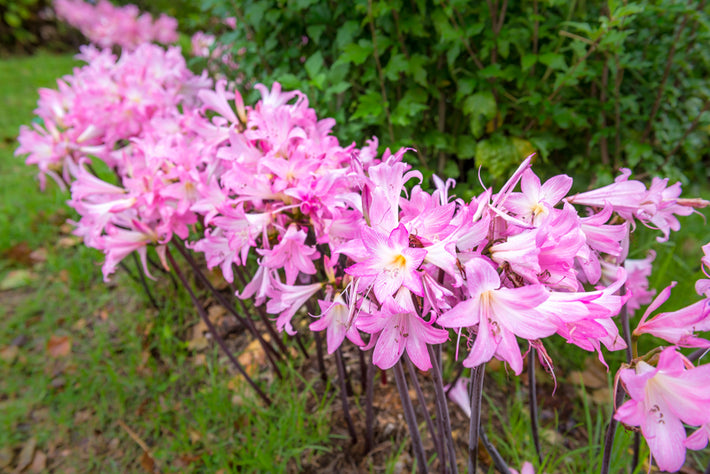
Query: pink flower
x=677, y=327
x=662, y=399
x=337, y=319
x=392, y=264
x=536, y=201
x=398, y=328
x=291, y=254
x=500, y=314
x=637, y=282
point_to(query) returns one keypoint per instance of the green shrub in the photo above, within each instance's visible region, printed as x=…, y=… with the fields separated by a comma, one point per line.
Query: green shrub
x=591, y=86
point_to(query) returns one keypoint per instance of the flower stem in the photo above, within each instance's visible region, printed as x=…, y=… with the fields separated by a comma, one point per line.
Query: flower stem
x=244, y=321
x=476, y=393
x=410, y=417
x=213, y=330
x=319, y=356
x=532, y=389
x=611, y=431
x=260, y=310
x=143, y=282
x=442, y=408
x=369, y=411
x=435, y=437
x=493, y=452
x=344, y=395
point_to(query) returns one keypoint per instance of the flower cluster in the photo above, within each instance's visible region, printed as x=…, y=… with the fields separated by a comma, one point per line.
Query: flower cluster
x=353, y=239
x=107, y=25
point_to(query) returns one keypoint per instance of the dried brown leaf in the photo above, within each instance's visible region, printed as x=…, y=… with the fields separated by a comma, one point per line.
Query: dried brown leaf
x=19, y=253
x=59, y=346
x=39, y=463
x=26, y=454
x=147, y=463
x=9, y=353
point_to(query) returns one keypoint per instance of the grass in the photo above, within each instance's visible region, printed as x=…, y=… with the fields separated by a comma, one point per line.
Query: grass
x=94, y=380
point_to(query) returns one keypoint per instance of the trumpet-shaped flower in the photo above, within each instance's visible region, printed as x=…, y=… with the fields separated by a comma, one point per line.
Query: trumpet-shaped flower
x=392, y=264
x=678, y=327
x=500, y=314
x=662, y=399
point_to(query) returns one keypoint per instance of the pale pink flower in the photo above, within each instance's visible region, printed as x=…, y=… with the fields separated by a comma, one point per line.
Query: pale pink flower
x=398, y=328
x=337, y=319
x=677, y=327
x=662, y=399
x=391, y=265
x=499, y=314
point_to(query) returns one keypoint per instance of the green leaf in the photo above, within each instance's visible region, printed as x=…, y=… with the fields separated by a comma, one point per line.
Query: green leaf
x=315, y=31
x=369, y=106
x=289, y=81
x=346, y=34
x=396, y=65
x=481, y=107
x=416, y=68
x=12, y=20
x=527, y=61
x=339, y=88
x=314, y=64
x=465, y=147
x=357, y=53
x=636, y=151
x=412, y=104
x=553, y=60
x=498, y=155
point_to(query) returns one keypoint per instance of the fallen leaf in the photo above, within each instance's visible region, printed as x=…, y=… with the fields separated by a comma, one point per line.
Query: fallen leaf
x=593, y=376
x=39, y=463
x=79, y=324
x=19, y=253
x=38, y=256
x=5, y=456
x=195, y=436
x=66, y=228
x=199, y=360
x=17, y=279
x=68, y=242
x=601, y=396
x=59, y=346
x=197, y=344
x=252, y=357
x=63, y=275
x=147, y=462
x=9, y=354
x=26, y=454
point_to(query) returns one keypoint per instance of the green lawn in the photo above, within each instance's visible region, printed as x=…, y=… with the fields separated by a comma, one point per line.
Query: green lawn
x=92, y=379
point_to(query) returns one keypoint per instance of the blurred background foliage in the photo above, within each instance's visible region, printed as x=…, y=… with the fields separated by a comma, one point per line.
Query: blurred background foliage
x=591, y=86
